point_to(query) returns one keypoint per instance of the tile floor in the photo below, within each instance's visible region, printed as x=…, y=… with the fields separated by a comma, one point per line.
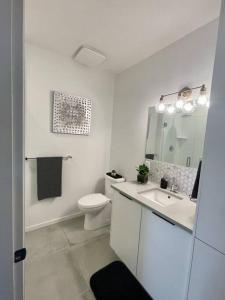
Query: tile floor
x=61, y=258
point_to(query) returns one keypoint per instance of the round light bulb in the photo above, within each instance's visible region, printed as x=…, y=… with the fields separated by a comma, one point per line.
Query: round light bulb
x=188, y=107
x=202, y=100
x=161, y=107
x=179, y=104
x=170, y=109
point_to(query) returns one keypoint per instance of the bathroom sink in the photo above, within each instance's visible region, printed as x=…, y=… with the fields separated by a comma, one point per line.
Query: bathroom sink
x=162, y=198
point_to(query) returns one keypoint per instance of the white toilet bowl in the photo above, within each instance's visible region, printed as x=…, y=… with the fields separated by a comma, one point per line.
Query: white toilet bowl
x=97, y=207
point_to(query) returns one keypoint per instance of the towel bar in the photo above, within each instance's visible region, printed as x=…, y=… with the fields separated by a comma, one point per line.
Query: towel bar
x=64, y=157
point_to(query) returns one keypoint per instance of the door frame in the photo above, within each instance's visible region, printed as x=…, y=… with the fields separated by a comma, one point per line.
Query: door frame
x=11, y=148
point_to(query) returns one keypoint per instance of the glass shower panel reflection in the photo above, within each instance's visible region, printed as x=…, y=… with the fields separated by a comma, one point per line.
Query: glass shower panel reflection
x=177, y=138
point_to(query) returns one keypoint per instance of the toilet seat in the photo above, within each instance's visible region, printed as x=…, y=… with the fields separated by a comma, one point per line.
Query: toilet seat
x=93, y=201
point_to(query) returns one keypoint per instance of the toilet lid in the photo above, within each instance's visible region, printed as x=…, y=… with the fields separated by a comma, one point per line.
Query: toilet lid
x=93, y=200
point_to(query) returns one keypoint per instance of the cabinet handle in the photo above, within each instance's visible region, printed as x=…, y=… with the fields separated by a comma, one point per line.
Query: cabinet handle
x=154, y=213
x=126, y=196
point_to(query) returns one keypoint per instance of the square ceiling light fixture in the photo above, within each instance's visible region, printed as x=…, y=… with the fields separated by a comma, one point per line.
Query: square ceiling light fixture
x=89, y=57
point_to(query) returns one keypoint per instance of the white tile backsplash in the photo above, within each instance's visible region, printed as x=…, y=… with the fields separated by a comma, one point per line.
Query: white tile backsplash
x=184, y=177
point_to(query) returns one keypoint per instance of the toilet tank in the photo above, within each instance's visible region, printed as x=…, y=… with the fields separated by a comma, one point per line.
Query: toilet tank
x=108, y=182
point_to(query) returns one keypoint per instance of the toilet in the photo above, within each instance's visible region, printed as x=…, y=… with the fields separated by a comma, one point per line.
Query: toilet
x=97, y=207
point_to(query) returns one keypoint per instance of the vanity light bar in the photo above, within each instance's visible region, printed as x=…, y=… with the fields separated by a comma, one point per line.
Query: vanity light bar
x=186, y=89
x=183, y=102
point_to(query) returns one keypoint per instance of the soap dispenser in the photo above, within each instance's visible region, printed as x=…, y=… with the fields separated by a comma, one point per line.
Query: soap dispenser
x=164, y=183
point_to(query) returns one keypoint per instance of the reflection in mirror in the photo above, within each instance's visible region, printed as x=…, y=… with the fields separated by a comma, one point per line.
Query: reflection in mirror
x=177, y=138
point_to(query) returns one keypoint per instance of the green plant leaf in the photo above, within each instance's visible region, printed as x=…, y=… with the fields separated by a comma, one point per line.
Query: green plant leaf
x=143, y=169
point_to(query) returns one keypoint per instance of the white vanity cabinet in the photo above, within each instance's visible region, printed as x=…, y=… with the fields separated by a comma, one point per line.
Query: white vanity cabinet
x=125, y=229
x=164, y=257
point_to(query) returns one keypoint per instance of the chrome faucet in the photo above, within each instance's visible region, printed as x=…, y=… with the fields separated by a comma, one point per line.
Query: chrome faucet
x=174, y=187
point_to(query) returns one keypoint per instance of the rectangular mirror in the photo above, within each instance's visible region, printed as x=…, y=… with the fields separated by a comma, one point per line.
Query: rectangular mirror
x=176, y=138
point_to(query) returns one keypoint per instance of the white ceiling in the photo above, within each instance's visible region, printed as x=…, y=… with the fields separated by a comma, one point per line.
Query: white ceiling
x=126, y=31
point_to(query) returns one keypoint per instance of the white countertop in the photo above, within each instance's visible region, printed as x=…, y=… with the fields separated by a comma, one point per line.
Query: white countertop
x=181, y=213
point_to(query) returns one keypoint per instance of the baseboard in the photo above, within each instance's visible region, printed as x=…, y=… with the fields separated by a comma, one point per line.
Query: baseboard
x=53, y=221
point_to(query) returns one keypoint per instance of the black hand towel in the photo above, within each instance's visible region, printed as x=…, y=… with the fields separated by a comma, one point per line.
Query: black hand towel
x=194, y=194
x=49, y=177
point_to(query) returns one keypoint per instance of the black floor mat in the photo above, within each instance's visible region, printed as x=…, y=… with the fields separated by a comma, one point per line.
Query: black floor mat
x=116, y=282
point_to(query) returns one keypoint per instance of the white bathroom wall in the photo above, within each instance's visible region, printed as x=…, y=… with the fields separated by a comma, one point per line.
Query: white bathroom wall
x=188, y=62
x=84, y=173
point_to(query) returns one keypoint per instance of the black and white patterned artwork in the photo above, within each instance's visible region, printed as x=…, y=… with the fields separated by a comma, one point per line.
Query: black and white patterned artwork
x=71, y=114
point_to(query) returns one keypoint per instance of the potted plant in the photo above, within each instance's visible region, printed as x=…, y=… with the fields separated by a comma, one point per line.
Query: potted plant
x=143, y=172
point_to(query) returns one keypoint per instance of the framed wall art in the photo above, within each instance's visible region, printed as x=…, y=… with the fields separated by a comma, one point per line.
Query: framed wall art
x=71, y=114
